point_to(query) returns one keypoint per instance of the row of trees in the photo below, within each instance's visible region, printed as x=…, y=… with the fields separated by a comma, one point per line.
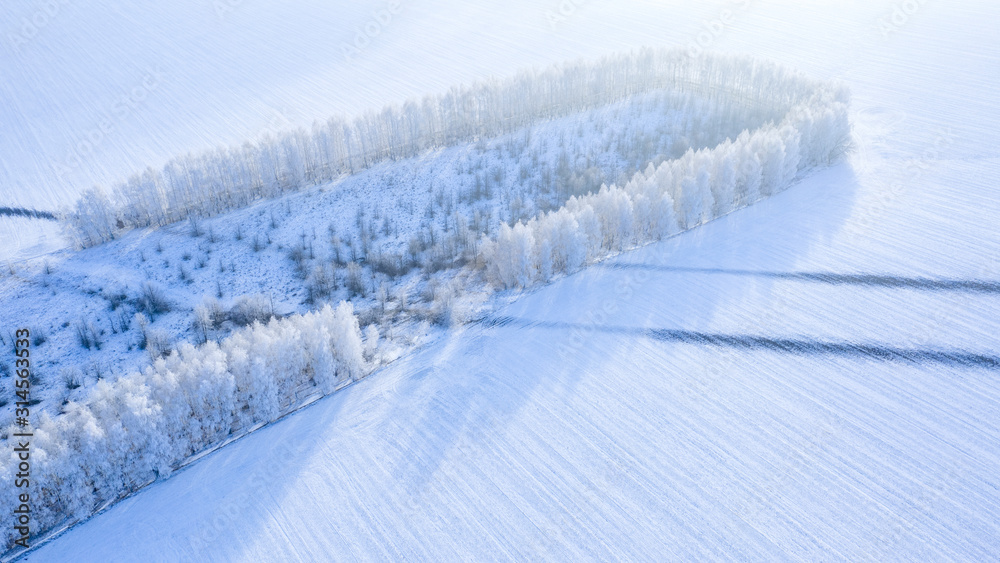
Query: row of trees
x=128, y=432
x=229, y=178
x=677, y=195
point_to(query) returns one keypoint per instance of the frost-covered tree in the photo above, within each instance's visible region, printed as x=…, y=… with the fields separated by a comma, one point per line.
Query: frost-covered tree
x=93, y=220
x=724, y=164
x=510, y=261
x=567, y=244
x=696, y=198
x=771, y=152
x=614, y=210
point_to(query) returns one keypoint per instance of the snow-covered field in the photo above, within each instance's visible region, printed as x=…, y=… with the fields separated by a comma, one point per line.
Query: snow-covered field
x=574, y=432
x=808, y=378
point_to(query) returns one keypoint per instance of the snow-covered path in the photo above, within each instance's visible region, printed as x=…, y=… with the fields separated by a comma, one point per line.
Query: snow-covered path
x=812, y=378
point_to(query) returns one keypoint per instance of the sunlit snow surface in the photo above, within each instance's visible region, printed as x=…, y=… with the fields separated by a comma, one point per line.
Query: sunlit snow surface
x=812, y=378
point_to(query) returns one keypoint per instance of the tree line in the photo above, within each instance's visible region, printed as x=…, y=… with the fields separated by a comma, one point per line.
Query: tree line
x=677, y=195
x=228, y=178
x=131, y=431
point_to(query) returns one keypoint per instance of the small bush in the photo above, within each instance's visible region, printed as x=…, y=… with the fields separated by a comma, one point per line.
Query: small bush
x=298, y=256
x=72, y=377
x=388, y=263
x=195, y=224
x=124, y=319
x=355, y=280
x=115, y=298
x=321, y=283
x=38, y=337
x=208, y=316
x=158, y=343
x=371, y=341
x=201, y=323
x=153, y=300
x=250, y=308
x=216, y=313
x=87, y=335
x=143, y=323
x=368, y=316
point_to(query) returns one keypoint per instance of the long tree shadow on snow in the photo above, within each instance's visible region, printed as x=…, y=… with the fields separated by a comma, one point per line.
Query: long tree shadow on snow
x=799, y=346
x=876, y=280
x=29, y=213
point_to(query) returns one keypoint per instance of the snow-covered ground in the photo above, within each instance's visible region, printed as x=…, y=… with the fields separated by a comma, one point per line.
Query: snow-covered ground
x=809, y=378
x=594, y=424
